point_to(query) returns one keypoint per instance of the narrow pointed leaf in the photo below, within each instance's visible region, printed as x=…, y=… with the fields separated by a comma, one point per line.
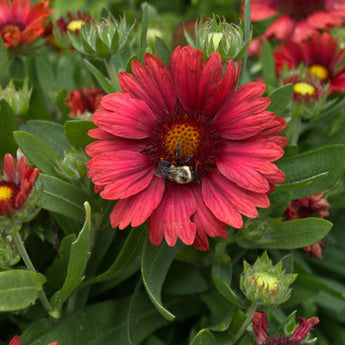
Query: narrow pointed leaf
x=154, y=268
x=204, y=337
x=77, y=263
x=8, y=125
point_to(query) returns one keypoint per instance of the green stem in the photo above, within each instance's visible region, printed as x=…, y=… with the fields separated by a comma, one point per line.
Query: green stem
x=249, y=316
x=28, y=263
x=296, y=130
x=112, y=73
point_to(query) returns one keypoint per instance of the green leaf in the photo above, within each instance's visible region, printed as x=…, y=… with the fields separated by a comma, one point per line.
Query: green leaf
x=204, y=337
x=76, y=133
x=99, y=324
x=273, y=234
x=162, y=51
x=102, y=80
x=45, y=74
x=132, y=248
x=8, y=125
x=221, y=276
x=62, y=197
x=267, y=61
x=51, y=133
x=280, y=98
x=77, y=263
x=247, y=34
x=38, y=153
x=144, y=26
x=5, y=64
x=154, y=268
x=312, y=172
x=19, y=288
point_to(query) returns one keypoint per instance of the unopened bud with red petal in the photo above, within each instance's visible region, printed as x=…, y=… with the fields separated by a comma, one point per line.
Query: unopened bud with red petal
x=266, y=283
x=19, y=200
x=102, y=39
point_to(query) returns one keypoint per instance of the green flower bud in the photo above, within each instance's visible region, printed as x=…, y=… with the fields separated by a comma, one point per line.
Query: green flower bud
x=9, y=255
x=18, y=99
x=72, y=167
x=266, y=283
x=101, y=39
x=216, y=35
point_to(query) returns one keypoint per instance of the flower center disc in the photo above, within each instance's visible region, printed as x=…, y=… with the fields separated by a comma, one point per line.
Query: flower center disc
x=75, y=25
x=319, y=72
x=6, y=193
x=181, y=141
x=304, y=89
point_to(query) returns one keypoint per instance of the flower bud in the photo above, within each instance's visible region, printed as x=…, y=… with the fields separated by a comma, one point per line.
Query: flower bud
x=101, y=39
x=72, y=167
x=216, y=35
x=18, y=99
x=266, y=283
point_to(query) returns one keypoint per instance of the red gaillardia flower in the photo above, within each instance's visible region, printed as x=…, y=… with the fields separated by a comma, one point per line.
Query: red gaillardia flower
x=16, y=185
x=184, y=149
x=260, y=328
x=300, y=19
x=321, y=55
x=16, y=341
x=84, y=100
x=20, y=24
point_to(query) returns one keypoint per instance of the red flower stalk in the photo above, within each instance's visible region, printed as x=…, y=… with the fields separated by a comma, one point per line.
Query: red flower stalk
x=20, y=24
x=184, y=149
x=321, y=55
x=16, y=186
x=84, y=100
x=260, y=328
x=300, y=19
x=16, y=341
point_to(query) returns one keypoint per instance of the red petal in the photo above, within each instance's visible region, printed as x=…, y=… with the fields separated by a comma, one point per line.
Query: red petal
x=260, y=327
x=186, y=67
x=306, y=325
x=282, y=28
x=219, y=201
x=242, y=172
x=15, y=341
x=124, y=116
x=262, y=9
x=122, y=173
x=10, y=167
x=137, y=208
x=161, y=76
x=206, y=223
x=172, y=216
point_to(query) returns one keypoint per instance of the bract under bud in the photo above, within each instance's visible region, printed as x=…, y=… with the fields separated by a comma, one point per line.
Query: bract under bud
x=18, y=99
x=266, y=283
x=216, y=35
x=102, y=39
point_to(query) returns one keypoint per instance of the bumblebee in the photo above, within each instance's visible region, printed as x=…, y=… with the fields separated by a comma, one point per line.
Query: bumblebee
x=179, y=174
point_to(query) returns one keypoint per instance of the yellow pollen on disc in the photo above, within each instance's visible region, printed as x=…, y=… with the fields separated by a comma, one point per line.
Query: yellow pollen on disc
x=5, y=193
x=187, y=136
x=75, y=25
x=304, y=89
x=319, y=72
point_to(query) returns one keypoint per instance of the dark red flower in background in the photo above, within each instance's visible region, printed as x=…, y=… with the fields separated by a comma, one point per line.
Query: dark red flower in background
x=15, y=185
x=321, y=55
x=184, y=149
x=20, y=24
x=84, y=100
x=300, y=19
x=260, y=328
